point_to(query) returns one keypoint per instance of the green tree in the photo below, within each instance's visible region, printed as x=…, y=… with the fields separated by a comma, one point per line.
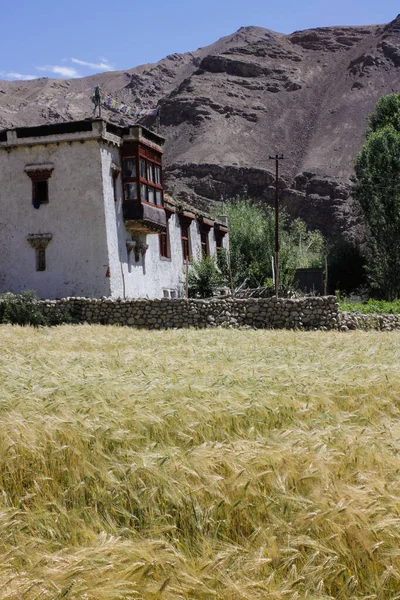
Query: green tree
x=251, y=242
x=377, y=188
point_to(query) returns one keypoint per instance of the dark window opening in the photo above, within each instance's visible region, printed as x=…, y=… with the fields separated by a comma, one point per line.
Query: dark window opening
x=205, y=251
x=185, y=241
x=40, y=192
x=219, y=237
x=129, y=167
x=131, y=191
x=40, y=259
x=165, y=248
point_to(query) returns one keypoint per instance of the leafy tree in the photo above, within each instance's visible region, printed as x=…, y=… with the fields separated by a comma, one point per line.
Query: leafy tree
x=251, y=242
x=204, y=278
x=377, y=188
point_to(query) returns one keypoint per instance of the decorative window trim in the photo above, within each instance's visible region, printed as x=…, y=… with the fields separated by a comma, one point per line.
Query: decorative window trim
x=39, y=241
x=139, y=248
x=39, y=172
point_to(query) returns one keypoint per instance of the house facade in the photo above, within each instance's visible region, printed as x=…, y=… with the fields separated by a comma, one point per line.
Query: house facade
x=84, y=213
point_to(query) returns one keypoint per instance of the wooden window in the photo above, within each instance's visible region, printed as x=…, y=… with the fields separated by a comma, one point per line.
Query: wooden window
x=40, y=192
x=185, y=234
x=165, y=247
x=219, y=233
x=40, y=259
x=157, y=174
x=150, y=174
x=129, y=167
x=40, y=184
x=143, y=192
x=205, y=250
x=159, y=198
x=131, y=191
x=150, y=192
x=142, y=168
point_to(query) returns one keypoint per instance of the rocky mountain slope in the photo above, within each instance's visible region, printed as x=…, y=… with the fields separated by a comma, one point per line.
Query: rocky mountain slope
x=226, y=107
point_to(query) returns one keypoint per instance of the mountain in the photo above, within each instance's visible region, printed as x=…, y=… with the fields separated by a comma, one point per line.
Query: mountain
x=227, y=107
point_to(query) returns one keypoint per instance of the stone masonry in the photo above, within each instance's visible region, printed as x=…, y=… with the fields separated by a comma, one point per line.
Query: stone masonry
x=260, y=313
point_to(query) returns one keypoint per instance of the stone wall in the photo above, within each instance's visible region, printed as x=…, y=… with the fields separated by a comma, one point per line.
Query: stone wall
x=260, y=313
x=351, y=321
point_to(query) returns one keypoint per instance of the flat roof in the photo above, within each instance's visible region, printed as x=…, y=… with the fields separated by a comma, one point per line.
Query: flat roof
x=81, y=126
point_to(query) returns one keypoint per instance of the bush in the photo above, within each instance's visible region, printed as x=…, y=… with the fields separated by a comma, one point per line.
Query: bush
x=251, y=241
x=372, y=307
x=26, y=309
x=204, y=278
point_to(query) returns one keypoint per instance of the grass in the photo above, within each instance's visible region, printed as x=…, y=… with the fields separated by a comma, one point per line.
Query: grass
x=214, y=464
x=377, y=307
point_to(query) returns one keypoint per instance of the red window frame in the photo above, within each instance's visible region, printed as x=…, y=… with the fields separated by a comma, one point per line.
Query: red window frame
x=185, y=222
x=139, y=180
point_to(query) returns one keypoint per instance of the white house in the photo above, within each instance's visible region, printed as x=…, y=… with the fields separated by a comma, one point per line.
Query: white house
x=83, y=213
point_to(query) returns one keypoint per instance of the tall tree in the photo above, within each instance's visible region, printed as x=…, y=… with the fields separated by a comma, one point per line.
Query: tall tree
x=251, y=242
x=377, y=188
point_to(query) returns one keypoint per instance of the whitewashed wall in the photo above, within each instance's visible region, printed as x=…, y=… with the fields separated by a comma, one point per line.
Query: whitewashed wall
x=89, y=236
x=152, y=274
x=77, y=256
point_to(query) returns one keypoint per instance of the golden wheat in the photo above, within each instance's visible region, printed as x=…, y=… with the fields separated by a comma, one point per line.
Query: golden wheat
x=189, y=464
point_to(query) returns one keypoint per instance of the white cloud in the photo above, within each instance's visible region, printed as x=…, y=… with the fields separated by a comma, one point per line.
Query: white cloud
x=104, y=65
x=58, y=70
x=19, y=76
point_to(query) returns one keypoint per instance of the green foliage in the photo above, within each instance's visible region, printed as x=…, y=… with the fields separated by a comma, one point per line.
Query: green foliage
x=375, y=307
x=308, y=245
x=377, y=188
x=346, y=266
x=387, y=113
x=204, y=278
x=251, y=240
x=26, y=309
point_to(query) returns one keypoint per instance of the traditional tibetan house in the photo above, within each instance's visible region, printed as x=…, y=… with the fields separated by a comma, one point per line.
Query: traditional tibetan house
x=84, y=213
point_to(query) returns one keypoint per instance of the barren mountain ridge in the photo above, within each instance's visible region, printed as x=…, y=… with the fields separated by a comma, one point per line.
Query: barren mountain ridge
x=227, y=107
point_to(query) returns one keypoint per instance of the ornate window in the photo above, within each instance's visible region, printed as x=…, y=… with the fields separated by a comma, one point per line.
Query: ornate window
x=39, y=175
x=165, y=243
x=186, y=219
x=40, y=241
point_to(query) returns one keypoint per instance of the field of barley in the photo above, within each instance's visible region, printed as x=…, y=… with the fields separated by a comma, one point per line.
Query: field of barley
x=216, y=464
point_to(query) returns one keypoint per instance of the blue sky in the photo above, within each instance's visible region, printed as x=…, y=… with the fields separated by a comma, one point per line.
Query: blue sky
x=43, y=38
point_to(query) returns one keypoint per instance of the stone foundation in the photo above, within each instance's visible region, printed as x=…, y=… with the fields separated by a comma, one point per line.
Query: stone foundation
x=260, y=313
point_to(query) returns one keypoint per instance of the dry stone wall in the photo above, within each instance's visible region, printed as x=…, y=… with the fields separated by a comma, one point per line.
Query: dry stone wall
x=260, y=313
x=352, y=321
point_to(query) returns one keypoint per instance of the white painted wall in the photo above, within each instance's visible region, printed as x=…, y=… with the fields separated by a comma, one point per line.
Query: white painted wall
x=77, y=256
x=152, y=274
x=87, y=226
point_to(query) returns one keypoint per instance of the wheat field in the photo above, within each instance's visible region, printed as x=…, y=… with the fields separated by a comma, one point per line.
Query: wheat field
x=217, y=464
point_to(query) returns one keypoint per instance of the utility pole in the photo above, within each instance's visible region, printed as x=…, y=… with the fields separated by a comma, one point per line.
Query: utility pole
x=276, y=158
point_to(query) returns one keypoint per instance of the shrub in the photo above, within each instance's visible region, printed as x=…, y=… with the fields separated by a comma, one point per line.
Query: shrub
x=204, y=278
x=26, y=309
